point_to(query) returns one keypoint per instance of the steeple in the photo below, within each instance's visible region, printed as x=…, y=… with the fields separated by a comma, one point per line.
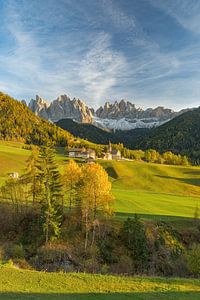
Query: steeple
x=109, y=147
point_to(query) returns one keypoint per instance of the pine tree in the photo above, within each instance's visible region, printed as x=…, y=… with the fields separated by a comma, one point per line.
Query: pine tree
x=31, y=176
x=51, y=197
x=134, y=237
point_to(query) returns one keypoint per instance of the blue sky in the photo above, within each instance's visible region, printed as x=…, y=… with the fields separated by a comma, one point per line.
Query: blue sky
x=145, y=51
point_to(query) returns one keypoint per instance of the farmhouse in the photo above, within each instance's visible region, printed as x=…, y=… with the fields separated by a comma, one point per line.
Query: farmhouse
x=81, y=153
x=14, y=175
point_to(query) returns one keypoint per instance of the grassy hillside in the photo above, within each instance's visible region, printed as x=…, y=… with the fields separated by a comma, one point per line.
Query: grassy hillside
x=23, y=284
x=152, y=190
x=12, y=158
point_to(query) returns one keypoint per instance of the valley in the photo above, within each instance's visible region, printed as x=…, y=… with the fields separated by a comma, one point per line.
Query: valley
x=100, y=150
x=151, y=190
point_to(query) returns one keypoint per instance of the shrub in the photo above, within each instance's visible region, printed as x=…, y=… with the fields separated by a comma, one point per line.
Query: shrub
x=134, y=238
x=2, y=254
x=193, y=259
x=14, y=251
x=22, y=264
x=53, y=257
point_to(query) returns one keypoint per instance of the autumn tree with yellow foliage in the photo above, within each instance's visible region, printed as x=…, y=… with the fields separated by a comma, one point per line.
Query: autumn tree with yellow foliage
x=96, y=199
x=72, y=175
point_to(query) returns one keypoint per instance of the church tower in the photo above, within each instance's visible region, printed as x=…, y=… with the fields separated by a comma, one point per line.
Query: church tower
x=110, y=147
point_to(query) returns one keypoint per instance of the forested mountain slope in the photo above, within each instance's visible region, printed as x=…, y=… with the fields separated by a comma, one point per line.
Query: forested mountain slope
x=100, y=136
x=18, y=123
x=180, y=135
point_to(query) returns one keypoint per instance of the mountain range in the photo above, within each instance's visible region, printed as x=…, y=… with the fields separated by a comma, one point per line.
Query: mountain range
x=181, y=134
x=62, y=107
x=122, y=115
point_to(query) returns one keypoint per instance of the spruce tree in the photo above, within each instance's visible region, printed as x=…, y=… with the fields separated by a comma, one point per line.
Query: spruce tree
x=134, y=238
x=31, y=176
x=51, y=197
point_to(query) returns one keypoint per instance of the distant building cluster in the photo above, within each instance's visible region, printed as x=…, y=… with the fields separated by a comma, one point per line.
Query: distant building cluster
x=112, y=154
x=81, y=153
x=89, y=154
x=14, y=175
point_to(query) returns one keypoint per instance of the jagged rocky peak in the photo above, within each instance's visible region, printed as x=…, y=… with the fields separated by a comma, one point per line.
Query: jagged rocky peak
x=62, y=108
x=39, y=106
x=115, y=110
x=122, y=115
x=24, y=102
x=126, y=109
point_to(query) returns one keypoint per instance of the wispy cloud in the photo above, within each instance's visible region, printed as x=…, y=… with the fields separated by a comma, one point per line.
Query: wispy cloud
x=99, y=50
x=118, y=18
x=186, y=13
x=101, y=69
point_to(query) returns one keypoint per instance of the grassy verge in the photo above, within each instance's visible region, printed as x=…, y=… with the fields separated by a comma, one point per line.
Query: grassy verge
x=24, y=284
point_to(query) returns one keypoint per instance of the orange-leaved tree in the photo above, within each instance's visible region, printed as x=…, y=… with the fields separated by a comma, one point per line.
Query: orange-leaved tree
x=96, y=198
x=72, y=175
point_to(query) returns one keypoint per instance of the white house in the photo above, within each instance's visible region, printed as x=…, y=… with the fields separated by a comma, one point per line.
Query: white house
x=14, y=175
x=81, y=153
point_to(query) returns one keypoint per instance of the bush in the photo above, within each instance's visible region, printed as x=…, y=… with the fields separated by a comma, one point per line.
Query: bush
x=53, y=257
x=125, y=265
x=2, y=254
x=22, y=264
x=134, y=237
x=193, y=259
x=14, y=251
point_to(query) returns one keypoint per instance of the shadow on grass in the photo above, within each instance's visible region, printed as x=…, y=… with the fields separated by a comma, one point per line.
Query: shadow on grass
x=192, y=181
x=103, y=296
x=193, y=172
x=181, y=223
x=111, y=172
x=154, y=217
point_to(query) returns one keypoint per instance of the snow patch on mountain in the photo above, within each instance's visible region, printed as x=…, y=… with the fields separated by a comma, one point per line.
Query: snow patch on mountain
x=126, y=124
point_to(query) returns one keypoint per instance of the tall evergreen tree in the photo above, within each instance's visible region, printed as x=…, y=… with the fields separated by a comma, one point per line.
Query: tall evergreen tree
x=51, y=197
x=134, y=237
x=31, y=176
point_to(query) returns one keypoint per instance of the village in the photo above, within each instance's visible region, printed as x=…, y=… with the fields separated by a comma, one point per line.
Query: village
x=90, y=154
x=87, y=154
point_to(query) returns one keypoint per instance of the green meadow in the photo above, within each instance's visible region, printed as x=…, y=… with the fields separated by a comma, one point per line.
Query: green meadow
x=154, y=191
x=151, y=190
x=24, y=284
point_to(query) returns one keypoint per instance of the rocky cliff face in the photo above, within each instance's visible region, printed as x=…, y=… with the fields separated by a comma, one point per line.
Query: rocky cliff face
x=126, y=109
x=40, y=107
x=61, y=108
x=121, y=115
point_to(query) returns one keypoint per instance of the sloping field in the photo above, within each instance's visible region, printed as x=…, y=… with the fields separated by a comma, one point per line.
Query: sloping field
x=153, y=189
x=149, y=189
x=23, y=284
x=12, y=158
